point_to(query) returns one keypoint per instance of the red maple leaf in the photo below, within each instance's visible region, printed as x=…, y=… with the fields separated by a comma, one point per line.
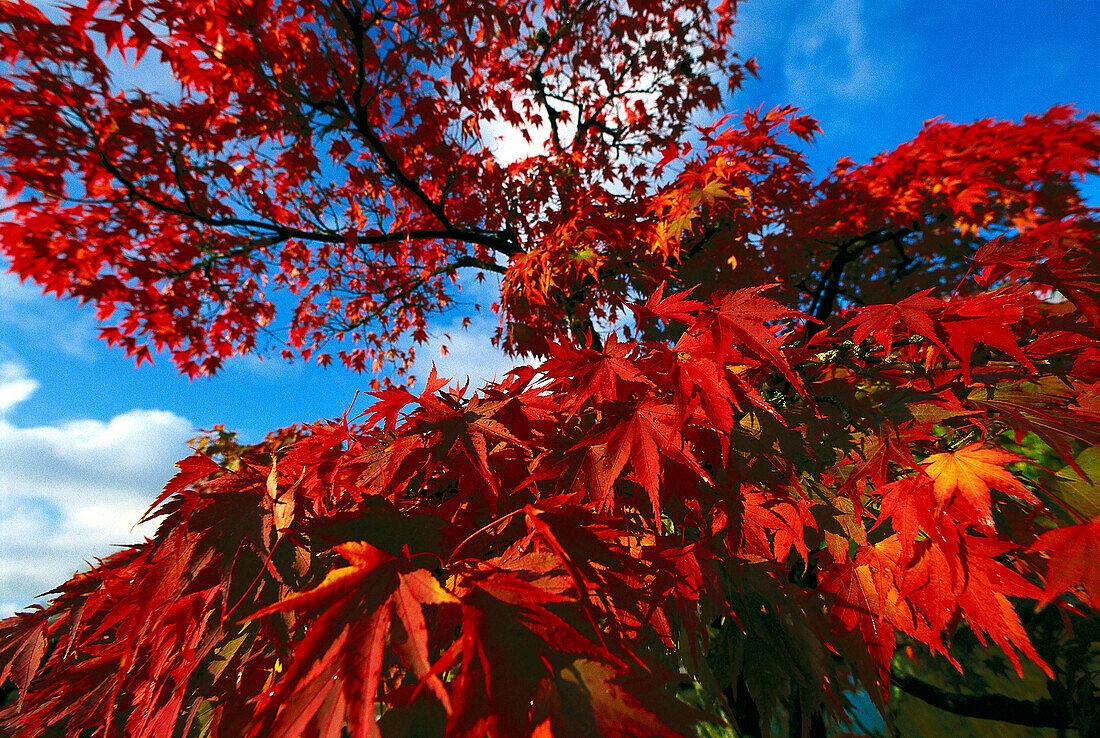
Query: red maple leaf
x=1074, y=553
x=747, y=318
x=880, y=321
x=337, y=666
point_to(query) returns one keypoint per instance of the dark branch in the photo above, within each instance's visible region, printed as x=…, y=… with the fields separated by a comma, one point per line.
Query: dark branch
x=282, y=232
x=536, y=75
x=823, y=299
x=551, y=112
x=356, y=112
x=504, y=242
x=1043, y=713
x=402, y=290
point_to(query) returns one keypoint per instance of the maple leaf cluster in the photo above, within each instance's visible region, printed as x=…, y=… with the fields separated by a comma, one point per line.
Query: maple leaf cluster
x=544, y=556
x=834, y=453
x=321, y=167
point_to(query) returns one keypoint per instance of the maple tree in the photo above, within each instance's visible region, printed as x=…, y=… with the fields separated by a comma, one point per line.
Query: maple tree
x=831, y=429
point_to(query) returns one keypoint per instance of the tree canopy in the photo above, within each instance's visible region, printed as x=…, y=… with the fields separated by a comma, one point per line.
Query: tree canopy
x=791, y=440
x=332, y=154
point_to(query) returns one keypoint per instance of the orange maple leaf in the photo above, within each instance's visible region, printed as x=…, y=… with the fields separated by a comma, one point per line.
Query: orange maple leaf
x=970, y=472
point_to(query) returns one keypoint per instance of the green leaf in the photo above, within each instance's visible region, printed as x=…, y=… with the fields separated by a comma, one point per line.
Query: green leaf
x=1083, y=495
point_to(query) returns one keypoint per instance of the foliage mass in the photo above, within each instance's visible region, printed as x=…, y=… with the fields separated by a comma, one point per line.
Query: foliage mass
x=866, y=434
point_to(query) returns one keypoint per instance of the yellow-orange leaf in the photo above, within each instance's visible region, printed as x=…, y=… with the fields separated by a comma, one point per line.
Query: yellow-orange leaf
x=970, y=472
x=336, y=583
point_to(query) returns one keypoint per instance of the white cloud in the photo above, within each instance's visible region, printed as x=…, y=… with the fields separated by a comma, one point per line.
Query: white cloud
x=470, y=353
x=830, y=59
x=15, y=385
x=42, y=321
x=70, y=492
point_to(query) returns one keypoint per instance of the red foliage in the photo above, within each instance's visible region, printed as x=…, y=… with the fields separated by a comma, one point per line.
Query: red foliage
x=756, y=493
x=333, y=152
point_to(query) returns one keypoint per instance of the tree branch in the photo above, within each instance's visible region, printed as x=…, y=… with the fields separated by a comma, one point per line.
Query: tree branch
x=1043, y=713
x=356, y=112
x=551, y=113
x=823, y=299
x=282, y=232
x=409, y=286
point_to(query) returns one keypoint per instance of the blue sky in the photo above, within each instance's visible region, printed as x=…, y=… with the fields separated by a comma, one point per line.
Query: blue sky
x=87, y=440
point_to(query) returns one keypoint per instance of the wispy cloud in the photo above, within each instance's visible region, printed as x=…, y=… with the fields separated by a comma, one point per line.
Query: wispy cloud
x=831, y=59
x=70, y=492
x=32, y=319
